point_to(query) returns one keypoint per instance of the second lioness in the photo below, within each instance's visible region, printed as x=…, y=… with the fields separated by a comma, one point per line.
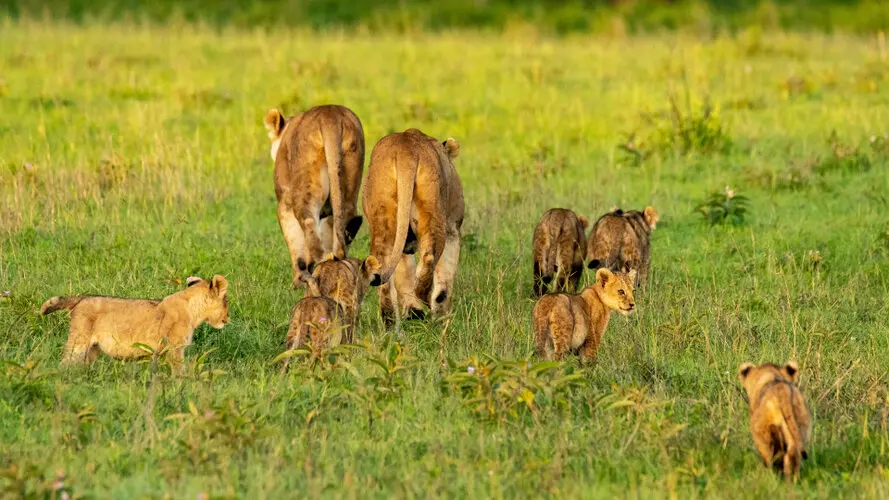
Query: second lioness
x=622, y=241
x=559, y=246
x=412, y=192
x=319, y=161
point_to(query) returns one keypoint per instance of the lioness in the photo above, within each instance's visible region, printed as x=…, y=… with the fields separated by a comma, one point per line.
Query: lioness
x=319, y=161
x=342, y=281
x=412, y=192
x=559, y=245
x=567, y=322
x=622, y=241
x=112, y=325
x=779, y=420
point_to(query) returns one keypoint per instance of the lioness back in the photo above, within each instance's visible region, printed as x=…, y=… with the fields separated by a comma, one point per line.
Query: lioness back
x=558, y=249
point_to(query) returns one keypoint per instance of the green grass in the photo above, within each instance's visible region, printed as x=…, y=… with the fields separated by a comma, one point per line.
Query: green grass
x=132, y=157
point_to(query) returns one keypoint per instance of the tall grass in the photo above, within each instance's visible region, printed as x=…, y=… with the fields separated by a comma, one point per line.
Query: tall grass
x=134, y=156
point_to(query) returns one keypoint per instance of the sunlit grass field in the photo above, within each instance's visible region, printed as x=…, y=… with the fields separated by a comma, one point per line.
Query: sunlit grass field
x=132, y=157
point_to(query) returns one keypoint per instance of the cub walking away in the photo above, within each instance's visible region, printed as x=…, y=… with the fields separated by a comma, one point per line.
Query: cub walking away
x=569, y=323
x=112, y=325
x=779, y=420
x=622, y=241
x=559, y=245
x=342, y=281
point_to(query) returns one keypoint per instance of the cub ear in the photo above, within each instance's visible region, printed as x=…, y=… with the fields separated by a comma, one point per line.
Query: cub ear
x=192, y=280
x=632, y=277
x=452, y=147
x=220, y=284
x=791, y=369
x=274, y=123
x=651, y=217
x=604, y=275
x=744, y=370
x=584, y=222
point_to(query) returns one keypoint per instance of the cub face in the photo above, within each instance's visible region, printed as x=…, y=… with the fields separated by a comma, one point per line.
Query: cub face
x=752, y=376
x=215, y=299
x=617, y=289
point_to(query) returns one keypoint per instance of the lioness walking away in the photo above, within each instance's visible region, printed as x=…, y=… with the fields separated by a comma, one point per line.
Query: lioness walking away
x=112, y=325
x=622, y=241
x=779, y=420
x=319, y=161
x=559, y=246
x=569, y=323
x=413, y=201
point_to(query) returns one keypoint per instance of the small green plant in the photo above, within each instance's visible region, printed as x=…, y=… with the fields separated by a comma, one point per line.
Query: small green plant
x=83, y=430
x=386, y=381
x=678, y=131
x=724, y=207
x=26, y=382
x=221, y=429
x=496, y=389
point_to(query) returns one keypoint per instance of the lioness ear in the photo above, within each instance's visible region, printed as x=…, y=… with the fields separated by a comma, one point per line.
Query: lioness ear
x=651, y=217
x=220, y=284
x=584, y=222
x=604, y=275
x=192, y=280
x=274, y=123
x=744, y=370
x=791, y=369
x=452, y=147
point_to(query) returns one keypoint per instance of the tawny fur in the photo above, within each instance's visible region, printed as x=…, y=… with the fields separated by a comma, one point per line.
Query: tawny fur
x=112, y=325
x=559, y=245
x=566, y=323
x=319, y=320
x=319, y=161
x=779, y=420
x=621, y=241
x=412, y=191
x=342, y=281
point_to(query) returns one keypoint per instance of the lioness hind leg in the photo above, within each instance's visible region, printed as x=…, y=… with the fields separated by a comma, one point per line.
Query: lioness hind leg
x=445, y=274
x=293, y=237
x=430, y=238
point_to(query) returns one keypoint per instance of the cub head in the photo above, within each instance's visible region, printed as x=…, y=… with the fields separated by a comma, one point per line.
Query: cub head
x=752, y=376
x=215, y=298
x=275, y=122
x=651, y=217
x=616, y=289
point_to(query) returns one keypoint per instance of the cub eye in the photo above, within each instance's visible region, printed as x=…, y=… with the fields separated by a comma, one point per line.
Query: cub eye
x=621, y=292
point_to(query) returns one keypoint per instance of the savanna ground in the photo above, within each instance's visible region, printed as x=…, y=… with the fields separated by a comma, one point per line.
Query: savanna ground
x=134, y=156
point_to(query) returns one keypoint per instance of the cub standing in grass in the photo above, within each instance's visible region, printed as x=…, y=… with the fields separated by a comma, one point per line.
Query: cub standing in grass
x=622, y=241
x=413, y=201
x=779, y=420
x=567, y=322
x=316, y=319
x=319, y=161
x=342, y=281
x=112, y=325
x=559, y=246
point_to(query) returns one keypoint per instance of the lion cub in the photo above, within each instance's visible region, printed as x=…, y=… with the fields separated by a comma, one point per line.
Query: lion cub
x=342, y=281
x=112, y=325
x=622, y=240
x=319, y=320
x=567, y=322
x=779, y=419
x=559, y=245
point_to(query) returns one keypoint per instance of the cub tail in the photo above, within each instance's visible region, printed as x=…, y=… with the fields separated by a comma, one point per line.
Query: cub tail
x=58, y=303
